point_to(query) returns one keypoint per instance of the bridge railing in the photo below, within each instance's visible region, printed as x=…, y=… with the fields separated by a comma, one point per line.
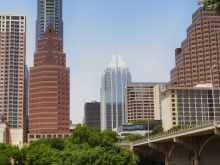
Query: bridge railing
x=175, y=132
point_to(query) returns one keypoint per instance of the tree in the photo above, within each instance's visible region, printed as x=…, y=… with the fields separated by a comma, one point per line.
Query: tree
x=2, y=117
x=85, y=146
x=212, y=4
x=4, y=160
x=177, y=127
x=80, y=134
x=132, y=137
x=41, y=154
x=111, y=136
x=24, y=151
x=157, y=130
x=57, y=143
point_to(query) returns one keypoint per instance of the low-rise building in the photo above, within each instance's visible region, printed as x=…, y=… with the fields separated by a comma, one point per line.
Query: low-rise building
x=140, y=128
x=4, y=133
x=189, y=105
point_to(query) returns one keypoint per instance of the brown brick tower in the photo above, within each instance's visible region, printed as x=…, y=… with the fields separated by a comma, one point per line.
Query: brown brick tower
x=49, y=89
x=199, y=52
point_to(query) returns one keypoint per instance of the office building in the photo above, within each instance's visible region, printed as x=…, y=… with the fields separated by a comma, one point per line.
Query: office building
x=189, y=105
x=49, y=11
x=141, y=100
x=92, y=114
x=114, y=80
x=12, y=72
x=198, y=52
x=49, y=89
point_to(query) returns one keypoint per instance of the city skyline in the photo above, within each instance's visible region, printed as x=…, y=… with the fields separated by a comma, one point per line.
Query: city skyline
x=143, y=33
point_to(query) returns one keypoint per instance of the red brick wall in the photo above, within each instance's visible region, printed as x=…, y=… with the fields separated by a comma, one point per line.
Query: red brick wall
x=49, y=87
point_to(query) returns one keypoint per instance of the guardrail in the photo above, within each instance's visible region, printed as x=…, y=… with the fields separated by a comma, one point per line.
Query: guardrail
x=177, y=131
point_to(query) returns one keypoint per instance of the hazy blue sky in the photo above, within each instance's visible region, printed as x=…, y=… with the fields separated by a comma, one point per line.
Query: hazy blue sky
x=144, y=32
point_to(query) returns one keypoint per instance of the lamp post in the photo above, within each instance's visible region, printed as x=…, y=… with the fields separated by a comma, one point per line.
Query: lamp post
x=148, y=124
x=213, y=101
x=204, y=113
x=180, y=120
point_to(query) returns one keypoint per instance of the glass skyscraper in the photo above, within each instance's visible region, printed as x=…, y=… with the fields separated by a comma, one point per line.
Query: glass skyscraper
x=114, y=80
x=49, y=11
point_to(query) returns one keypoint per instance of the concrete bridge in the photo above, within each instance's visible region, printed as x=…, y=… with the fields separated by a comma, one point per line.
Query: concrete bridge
x=198, y=145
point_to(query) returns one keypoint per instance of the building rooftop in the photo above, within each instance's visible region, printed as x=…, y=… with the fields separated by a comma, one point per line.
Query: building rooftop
x=141, y=83
x=189, y=88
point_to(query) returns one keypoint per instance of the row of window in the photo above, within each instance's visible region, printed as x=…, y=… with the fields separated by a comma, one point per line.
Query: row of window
x=48, y=136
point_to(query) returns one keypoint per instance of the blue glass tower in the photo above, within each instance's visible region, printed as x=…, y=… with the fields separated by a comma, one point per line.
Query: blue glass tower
x=114, y=80
x=48, y=11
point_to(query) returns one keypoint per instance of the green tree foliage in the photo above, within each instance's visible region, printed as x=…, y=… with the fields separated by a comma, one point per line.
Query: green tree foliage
x=11, y=153
x=85, y=146
x=4, y=159
x=41, y=154
x=141, y=121
x=132, y=137
x=213, y=4
x=158, y=129
x=98, y=155
x=57, y=143
x=176, y=127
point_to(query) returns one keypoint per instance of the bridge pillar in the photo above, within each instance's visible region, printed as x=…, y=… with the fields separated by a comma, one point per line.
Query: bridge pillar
x=194, y=144
x=196, y=162
x=142, y=150
x=167, y=161
x=217, y=130
x=165, y=148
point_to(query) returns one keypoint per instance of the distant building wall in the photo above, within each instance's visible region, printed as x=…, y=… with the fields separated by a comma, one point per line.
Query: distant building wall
x=142, y=100
x=4, y=133
x=92, y=114
x=16, y=136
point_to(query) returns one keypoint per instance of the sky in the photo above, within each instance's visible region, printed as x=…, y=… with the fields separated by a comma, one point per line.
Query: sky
x=144, y=32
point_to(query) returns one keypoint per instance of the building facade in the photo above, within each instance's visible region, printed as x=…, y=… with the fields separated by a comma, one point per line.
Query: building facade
x=198, y=52
x=140, y=101
x=141, y=129
x=92, y=114
x=49, y=11
x=49, y=89
x=158, y=101
x=12, y=64
x=26, y=105
x=114, y=80
x=189, y=106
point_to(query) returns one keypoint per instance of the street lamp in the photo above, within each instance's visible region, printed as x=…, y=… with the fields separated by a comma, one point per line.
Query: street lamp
x=213, y=101
x=148, y=124
x=204, y=113
x=180, y=120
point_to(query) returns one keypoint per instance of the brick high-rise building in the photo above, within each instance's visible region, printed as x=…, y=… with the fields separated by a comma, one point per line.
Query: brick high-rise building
x=198, y=52
x=49, y=89
x=12, y=72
